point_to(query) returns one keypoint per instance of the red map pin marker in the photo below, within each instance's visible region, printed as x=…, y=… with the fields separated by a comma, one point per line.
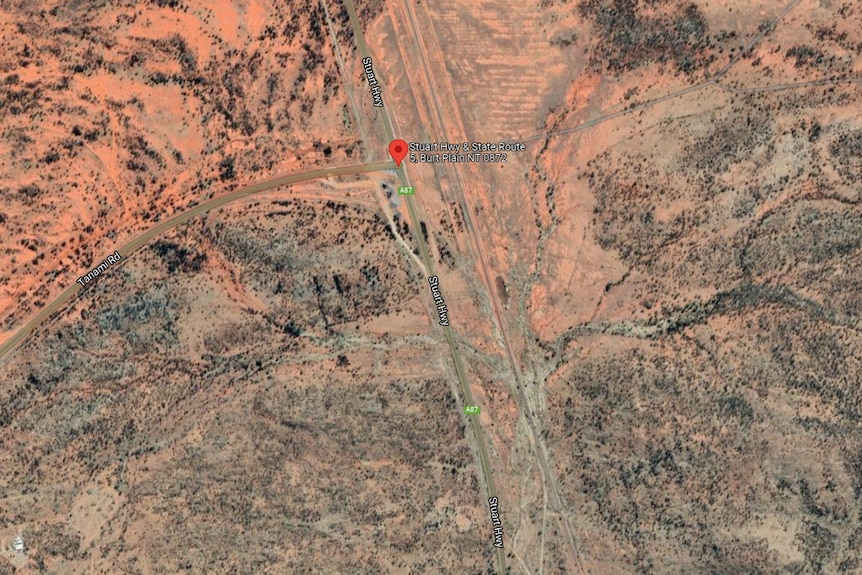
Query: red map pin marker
x=398, y=150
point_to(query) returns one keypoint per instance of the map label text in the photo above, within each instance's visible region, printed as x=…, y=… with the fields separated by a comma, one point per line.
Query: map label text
x=102, y=267
x=495, y=520
x=372, y=81
x=442, y=311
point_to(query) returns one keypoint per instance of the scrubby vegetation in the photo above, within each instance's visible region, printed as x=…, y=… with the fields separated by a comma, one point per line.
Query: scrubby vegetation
x=635, y=32
x=178, y=419
x=291, y=255
x=171, y=103
x=709, y=400
x=681, y=464
x=178, y=257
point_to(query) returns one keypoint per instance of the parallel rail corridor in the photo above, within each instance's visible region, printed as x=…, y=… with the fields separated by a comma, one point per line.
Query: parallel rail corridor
x=477, y=252
x=478, y=435
x=448, y=125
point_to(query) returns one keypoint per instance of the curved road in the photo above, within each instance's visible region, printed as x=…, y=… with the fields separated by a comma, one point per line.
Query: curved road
x=7, y=346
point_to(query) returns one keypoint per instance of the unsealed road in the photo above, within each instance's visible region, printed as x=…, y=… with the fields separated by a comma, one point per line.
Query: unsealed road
x=7, y=346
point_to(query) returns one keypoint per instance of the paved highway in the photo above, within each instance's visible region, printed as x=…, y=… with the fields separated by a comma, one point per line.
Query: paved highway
x=7, y=346
x=452, y=126
x=486, y=474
